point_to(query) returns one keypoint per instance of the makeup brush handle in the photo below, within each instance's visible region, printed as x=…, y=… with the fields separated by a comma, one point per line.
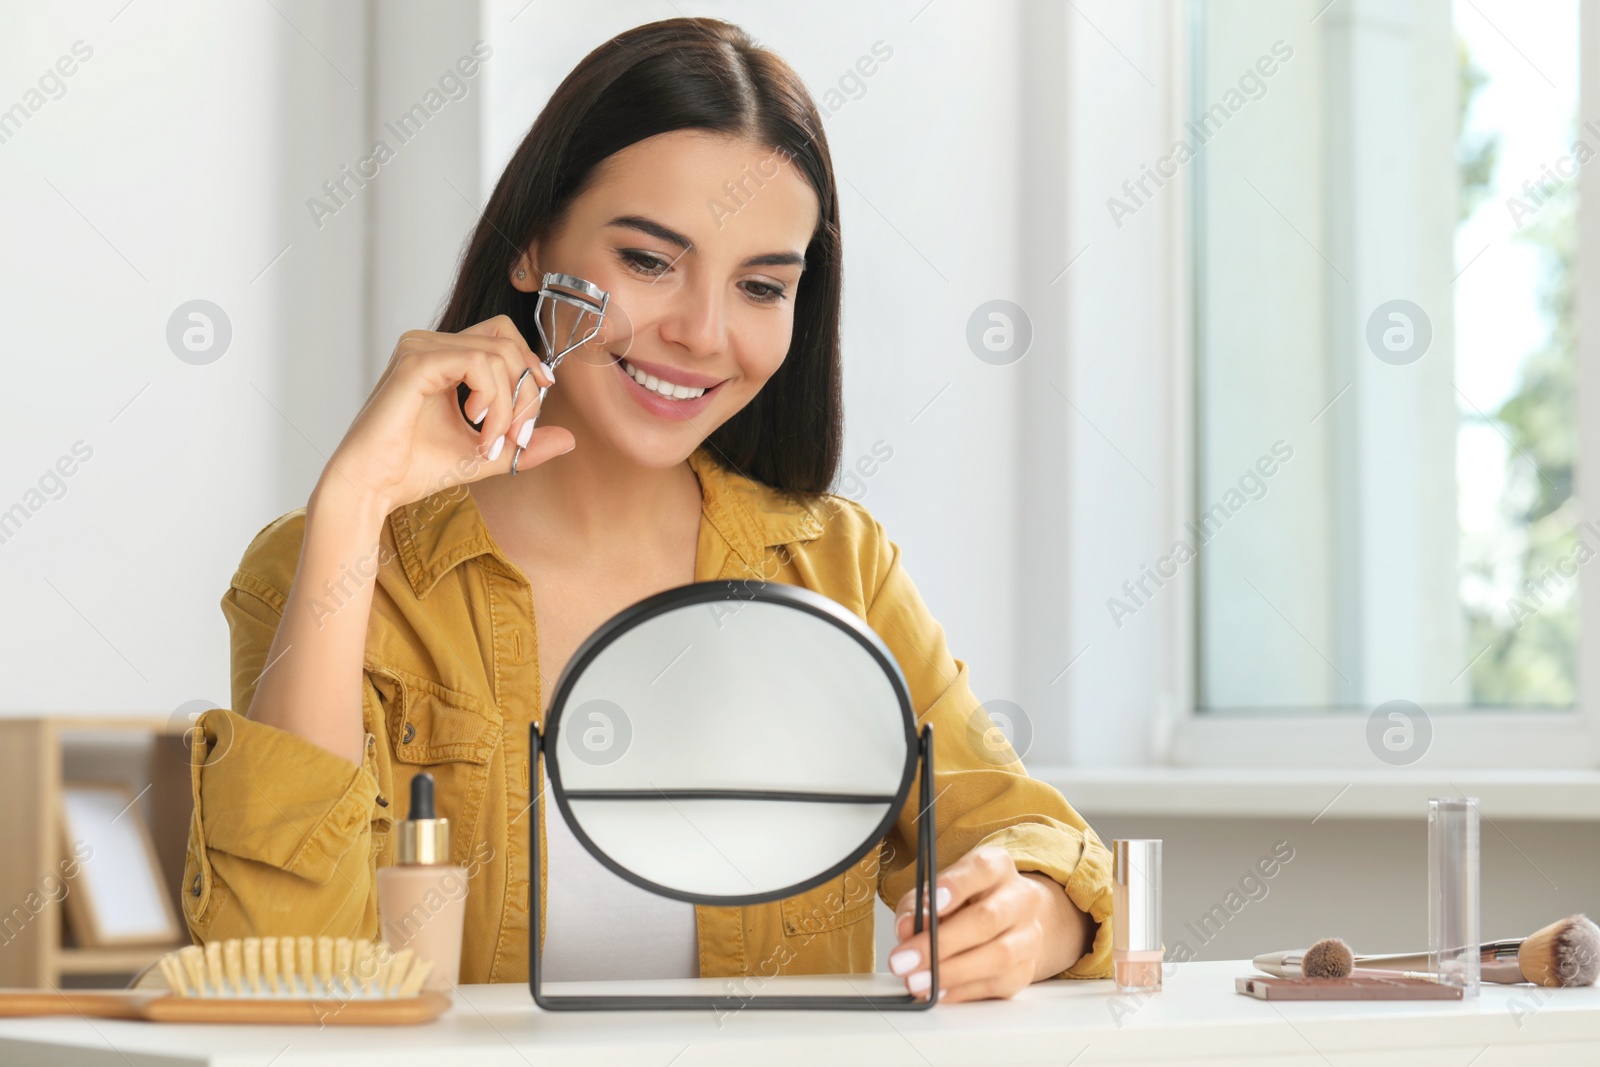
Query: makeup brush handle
x=1410, y=961
x=1498, y=971
x=1396, y=974
x=1280, y=964
x=1505, y=949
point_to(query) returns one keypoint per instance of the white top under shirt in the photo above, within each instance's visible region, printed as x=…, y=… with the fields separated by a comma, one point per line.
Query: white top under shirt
x=600, y=926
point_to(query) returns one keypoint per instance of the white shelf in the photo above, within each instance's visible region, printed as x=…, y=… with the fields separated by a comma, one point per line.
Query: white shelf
x=1322, y=793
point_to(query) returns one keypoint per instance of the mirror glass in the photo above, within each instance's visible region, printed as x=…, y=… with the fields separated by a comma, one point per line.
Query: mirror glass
x=731, y=742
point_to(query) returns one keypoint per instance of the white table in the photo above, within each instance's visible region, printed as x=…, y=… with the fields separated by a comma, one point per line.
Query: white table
x=1198, y=1018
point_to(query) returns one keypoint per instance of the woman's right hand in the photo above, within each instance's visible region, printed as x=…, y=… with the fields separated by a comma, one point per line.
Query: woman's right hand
x=409, y=439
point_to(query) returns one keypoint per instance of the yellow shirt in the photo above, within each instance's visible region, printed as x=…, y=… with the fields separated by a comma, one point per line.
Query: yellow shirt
x=287, y=836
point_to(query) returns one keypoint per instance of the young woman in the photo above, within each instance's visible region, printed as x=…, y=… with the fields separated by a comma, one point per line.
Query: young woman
x=416, y=613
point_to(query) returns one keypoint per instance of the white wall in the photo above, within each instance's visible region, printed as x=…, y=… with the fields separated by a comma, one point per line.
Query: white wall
x=173, y=167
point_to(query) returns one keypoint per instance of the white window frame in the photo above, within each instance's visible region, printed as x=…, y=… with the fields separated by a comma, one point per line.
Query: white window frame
x=1282, y=737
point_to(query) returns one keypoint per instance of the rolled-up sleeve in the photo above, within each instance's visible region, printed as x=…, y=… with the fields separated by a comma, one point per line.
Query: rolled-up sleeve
x=271, y=796
x=281, y=838
x=982, y=794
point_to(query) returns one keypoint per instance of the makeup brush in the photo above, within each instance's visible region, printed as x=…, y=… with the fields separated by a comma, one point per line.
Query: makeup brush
x=1565, y=953
x=1328, y=958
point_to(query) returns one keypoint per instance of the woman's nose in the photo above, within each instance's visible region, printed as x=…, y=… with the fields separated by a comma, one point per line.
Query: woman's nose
x=695, y=320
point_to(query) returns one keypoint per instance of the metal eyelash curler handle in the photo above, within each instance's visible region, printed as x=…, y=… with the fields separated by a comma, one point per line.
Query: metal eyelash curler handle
x=589, y=301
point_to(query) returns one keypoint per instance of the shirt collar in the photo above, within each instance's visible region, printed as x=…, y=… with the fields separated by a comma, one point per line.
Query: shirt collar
x=434, y=534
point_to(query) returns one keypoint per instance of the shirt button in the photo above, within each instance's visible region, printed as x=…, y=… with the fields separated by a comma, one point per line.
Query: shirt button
x=410, y=732
x=195, y=889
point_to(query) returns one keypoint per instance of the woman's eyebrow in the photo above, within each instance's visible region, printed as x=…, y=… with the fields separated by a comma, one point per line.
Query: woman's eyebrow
x=656, y=230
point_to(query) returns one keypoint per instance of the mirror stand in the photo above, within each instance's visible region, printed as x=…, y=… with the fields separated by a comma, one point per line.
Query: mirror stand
x=927, y=874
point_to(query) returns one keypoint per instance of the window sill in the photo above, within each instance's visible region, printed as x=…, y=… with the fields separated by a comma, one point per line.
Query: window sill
x=1323, y=793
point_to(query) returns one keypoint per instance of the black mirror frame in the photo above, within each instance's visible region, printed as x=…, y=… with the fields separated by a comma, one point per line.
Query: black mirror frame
x=919, y=758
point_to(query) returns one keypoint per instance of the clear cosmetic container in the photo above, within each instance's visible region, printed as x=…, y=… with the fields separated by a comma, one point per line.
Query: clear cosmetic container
x=1453, y=935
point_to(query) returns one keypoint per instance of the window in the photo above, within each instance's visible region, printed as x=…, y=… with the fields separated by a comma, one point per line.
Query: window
x=1384, y=239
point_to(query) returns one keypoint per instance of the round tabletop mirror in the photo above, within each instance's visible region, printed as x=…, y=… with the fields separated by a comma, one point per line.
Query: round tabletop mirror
x=731, y=742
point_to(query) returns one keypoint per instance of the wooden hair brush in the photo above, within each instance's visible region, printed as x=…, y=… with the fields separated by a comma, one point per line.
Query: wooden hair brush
x=305, y=980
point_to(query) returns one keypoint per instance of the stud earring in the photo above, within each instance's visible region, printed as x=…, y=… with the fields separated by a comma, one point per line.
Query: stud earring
x=522, y=274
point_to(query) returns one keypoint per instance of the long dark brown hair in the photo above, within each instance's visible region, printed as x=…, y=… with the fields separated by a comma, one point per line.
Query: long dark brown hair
x=683, y=73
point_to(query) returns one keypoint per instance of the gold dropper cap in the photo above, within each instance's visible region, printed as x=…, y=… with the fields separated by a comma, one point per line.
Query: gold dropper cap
x=424, y=839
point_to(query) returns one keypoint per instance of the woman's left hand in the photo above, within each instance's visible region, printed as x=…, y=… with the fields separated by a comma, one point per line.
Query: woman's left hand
x=999, y=930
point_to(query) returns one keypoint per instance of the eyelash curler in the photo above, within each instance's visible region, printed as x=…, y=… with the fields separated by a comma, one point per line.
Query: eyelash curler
x=588, y=301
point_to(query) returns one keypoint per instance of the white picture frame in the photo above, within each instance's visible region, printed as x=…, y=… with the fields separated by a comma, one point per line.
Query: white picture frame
x=117, y=897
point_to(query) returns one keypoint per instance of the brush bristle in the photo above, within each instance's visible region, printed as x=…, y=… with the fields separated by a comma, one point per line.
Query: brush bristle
x=290, y=968
x=1328, y=958
x=1565, y=953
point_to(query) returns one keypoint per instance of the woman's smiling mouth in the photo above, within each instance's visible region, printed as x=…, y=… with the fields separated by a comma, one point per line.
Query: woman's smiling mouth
x=667, y=391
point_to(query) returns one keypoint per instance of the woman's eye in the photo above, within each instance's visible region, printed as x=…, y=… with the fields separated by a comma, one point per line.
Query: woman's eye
x=653, y=266
x=643, y=262
x=763, y=293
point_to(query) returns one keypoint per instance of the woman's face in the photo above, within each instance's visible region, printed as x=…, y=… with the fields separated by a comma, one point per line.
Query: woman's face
x=700, y=239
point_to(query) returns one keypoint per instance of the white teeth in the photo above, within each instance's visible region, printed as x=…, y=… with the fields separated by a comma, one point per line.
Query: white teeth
x=656, y=385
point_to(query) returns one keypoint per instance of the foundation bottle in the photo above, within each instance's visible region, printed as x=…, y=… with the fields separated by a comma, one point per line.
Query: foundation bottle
x=422, y=899
x=1136, y=915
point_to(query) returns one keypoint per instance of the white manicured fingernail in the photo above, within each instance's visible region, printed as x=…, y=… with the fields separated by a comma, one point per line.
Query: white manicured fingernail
x=919, y=982
x=901, y=962
x=524, y=434
x=942, y=992
x=549, y=371
x=941, y=900
x=495, y=449
x=480, y=416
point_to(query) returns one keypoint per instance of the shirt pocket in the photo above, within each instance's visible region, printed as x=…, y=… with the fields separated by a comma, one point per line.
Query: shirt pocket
x=838, y=902
x=451, y=735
